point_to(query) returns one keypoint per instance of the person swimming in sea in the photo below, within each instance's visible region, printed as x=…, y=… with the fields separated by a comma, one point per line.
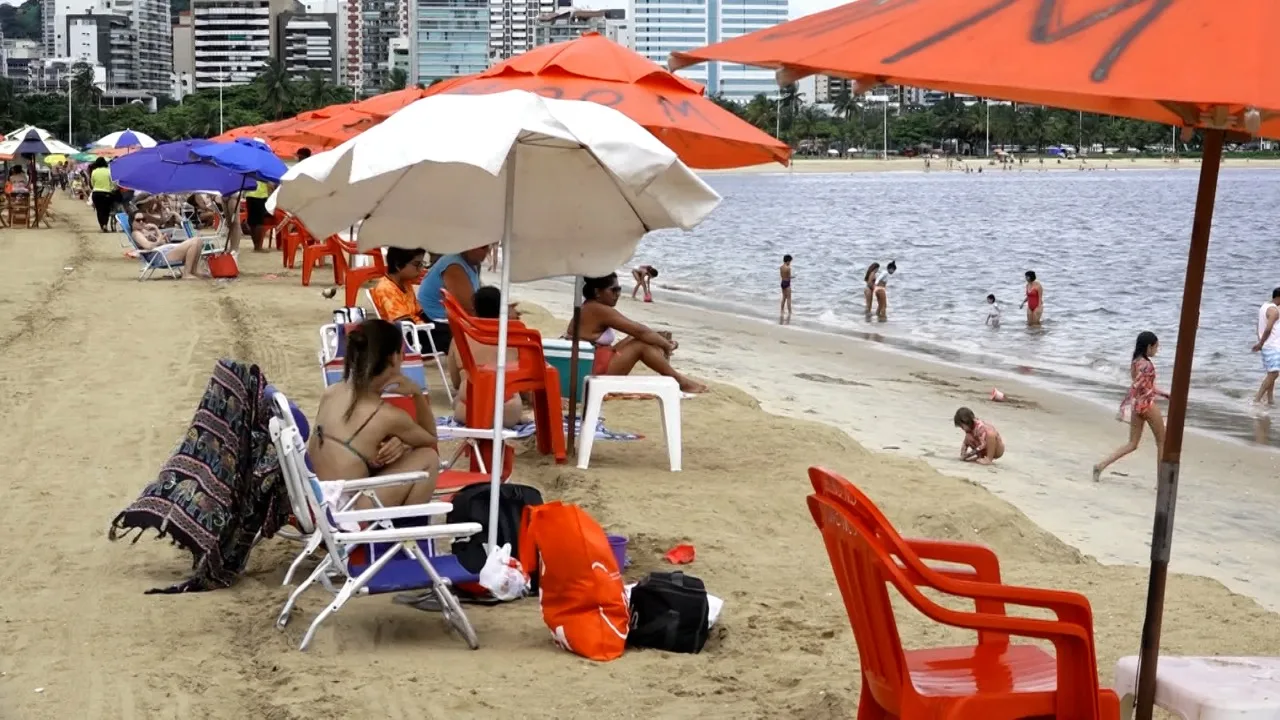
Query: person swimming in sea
x=784, y=271
x=1034, y=302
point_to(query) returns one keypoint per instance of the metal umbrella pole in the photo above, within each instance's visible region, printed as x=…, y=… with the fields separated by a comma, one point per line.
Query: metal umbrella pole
x=574, y=337
x=500, y=382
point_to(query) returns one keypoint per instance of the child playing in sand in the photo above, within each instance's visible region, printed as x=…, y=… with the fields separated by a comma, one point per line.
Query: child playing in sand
x=982, y=442
x=993, y=312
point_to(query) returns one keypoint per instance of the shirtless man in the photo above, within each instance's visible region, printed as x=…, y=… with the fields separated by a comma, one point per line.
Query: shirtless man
x=784, y=271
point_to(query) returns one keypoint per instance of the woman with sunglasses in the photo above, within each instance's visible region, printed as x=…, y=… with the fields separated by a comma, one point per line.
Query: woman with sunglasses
x=601, y=325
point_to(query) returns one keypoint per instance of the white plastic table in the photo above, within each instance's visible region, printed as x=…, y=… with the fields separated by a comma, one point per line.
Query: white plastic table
x=1207, y=688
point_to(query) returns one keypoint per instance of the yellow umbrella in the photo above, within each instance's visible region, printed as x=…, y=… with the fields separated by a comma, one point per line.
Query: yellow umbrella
x=54, y=159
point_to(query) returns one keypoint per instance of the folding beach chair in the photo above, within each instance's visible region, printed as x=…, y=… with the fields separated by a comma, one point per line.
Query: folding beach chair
x=374, y=561
x=151, y=260
x=412, y=336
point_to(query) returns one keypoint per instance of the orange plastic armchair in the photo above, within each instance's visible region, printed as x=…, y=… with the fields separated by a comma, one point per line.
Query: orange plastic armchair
x=314, y=253
x=993, y=679
x=292, y=236
x=355, y=277
x=531, y=373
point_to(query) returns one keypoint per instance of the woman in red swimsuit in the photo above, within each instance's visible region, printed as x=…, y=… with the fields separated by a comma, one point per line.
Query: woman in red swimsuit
x=1141, y=402
x=1034, y=301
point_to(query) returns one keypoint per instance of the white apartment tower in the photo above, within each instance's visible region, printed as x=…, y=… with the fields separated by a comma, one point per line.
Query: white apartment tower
x=150, y=22
x=660, y=27
x=511, y=26
x=232, y=40
x=368, y=29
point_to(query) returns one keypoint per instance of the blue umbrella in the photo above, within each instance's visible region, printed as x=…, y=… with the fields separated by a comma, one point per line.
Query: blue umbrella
x=174, y=168
x=244, y=155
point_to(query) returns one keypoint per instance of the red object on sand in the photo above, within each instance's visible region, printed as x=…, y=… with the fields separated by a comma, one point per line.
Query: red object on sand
x=680, y=555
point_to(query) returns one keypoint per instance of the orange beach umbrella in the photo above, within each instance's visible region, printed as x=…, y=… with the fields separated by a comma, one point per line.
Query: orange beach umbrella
x=1200, y=64
x=674, y=109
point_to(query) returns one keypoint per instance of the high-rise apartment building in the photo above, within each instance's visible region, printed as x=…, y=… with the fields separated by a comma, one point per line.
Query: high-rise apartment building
x=447, y=38
x=570, y=23
x=511, y=25
x=152, y=29
x=660, y=27
x=53, y=23
x=104, y=40
x=368, y=28
x=307, y=43
x=232, y=40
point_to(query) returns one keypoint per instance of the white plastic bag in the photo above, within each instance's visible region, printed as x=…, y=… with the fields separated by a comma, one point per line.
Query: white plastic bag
x=502, y=575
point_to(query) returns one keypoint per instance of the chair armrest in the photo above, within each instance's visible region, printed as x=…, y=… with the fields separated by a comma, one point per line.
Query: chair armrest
x=982, y=560
x=469, y=433
x=380, y=481
x=393, y=513
x=421, y=532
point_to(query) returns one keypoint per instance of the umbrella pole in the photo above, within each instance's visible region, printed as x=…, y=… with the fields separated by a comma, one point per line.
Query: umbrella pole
x=1171, y=454
x=573, y=361
x=500, y=381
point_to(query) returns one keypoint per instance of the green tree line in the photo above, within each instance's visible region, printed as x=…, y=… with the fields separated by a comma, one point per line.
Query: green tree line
x=950, y=124
x=271, y=96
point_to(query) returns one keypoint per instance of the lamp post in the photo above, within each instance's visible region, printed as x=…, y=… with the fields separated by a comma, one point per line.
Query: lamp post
x=988, y=103
x=70, y=138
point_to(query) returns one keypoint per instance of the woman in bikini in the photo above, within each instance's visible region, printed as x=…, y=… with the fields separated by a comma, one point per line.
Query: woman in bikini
x=1034, y=302
x=358, y=435
x=882, y=289
x=602, y=323
x=869, y=279
x=1141, y=402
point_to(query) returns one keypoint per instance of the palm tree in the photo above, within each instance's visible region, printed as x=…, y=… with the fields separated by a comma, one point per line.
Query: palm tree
x=276, y=90
x=398, y=79
x=316, y=90
x=845, y=104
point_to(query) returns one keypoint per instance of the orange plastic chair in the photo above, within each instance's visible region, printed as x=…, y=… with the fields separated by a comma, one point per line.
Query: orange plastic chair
x=993, y=679
x=355, y=277
x=531, y=373
x=292, y=236
x=314, y=253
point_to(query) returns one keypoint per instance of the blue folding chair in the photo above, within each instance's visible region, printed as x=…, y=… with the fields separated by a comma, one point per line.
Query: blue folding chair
x=151, y=260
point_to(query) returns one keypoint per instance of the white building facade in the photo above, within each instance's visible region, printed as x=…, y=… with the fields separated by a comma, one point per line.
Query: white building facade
x=448, y=38
x=231, y=40
x=660, y=27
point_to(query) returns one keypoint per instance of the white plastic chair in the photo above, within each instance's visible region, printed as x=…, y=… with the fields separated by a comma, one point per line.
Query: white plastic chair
x=410, y=331
x=1207, y=688
x=667, y=391
x=363, y=580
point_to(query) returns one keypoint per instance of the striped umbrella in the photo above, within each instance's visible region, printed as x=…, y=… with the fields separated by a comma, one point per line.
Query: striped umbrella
x=124, y=139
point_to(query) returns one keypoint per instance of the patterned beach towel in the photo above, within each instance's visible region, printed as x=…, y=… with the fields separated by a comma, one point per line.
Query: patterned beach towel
x=221, y=488
x=527, y=430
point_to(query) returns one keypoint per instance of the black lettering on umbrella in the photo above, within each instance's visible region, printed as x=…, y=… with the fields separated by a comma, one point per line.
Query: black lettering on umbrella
x=551, y=91
x=1046, y=30
x=681, y=108
x=603, y=96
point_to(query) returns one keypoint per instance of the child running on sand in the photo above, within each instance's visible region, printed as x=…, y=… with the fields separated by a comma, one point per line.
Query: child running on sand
x=982, y=442
x=784, y=271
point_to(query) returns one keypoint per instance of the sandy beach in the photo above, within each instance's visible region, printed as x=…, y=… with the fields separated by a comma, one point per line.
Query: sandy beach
x=99, y=376
x=811, y=165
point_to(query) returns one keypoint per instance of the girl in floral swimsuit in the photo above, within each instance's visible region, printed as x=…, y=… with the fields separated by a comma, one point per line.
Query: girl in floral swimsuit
x=1141, y=402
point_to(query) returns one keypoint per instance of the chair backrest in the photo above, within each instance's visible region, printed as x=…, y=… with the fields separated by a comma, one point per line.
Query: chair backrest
x=862, y=575
x=294, y=480
x=290, y=449
x=333, y=346
x=126, y=227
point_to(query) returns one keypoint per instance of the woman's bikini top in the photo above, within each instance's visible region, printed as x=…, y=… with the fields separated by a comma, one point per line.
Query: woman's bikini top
x=606, y=338
x=371, y=466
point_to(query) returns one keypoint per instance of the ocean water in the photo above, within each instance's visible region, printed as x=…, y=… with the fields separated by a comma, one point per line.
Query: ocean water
x=1110, y=248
